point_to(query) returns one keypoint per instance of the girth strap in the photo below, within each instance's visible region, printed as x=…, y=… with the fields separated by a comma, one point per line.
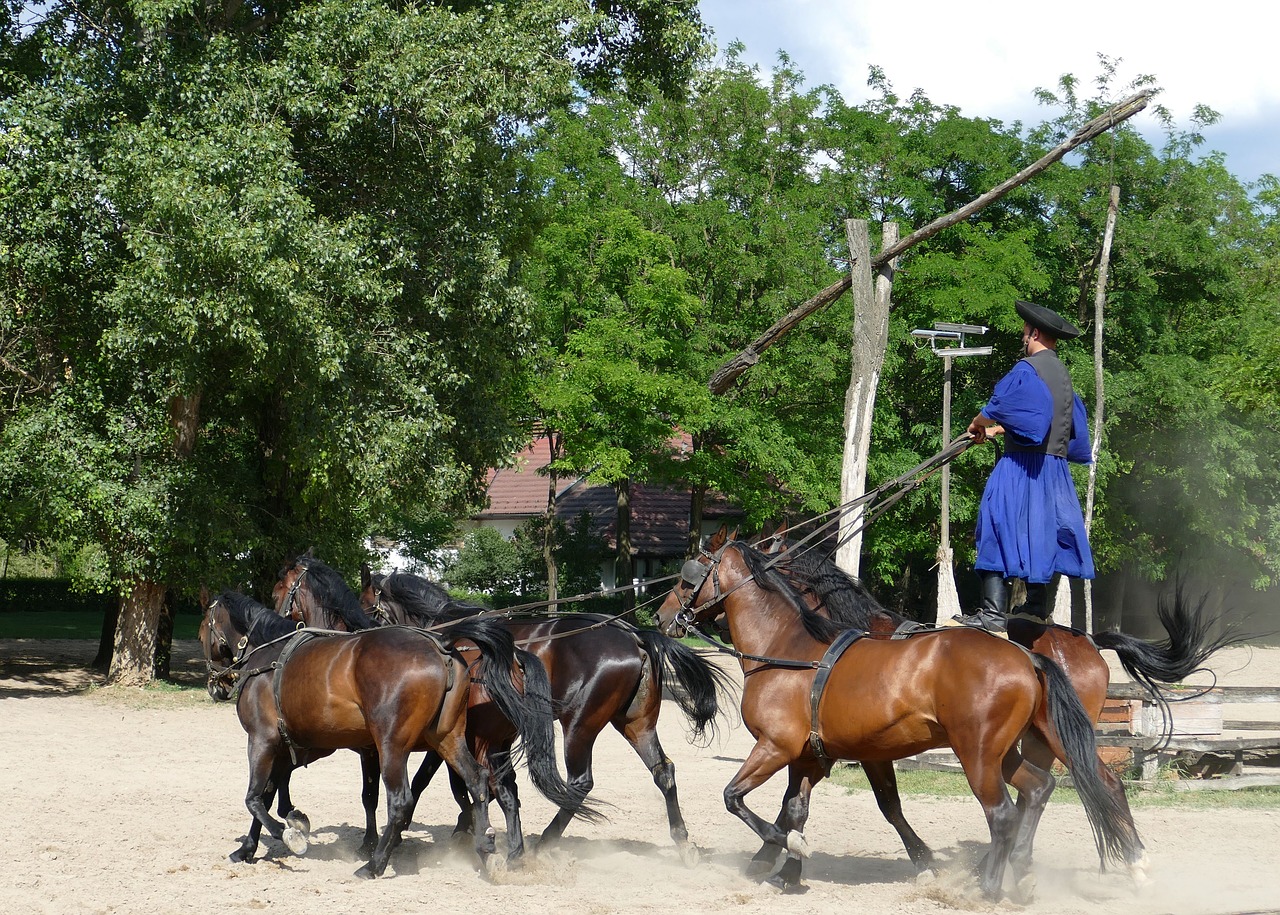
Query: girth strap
x=833, y=653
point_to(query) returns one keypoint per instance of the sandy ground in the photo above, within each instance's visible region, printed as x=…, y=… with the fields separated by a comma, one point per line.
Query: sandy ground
x=124, y=801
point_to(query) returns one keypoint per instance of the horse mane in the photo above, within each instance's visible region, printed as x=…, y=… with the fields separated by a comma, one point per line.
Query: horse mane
x=423, y=600
x=770, y=579
x=331, y=591
x=846, y=599
x=257, y=622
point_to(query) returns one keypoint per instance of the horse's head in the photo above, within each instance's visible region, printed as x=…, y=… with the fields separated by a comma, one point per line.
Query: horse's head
x=371, y=600
x=696, y=596
x=223, y=644
x=315, y=594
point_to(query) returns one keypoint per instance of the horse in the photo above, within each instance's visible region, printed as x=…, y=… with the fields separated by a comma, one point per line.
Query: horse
x=831, y=592
x=395, y=690
x=231, y=626
x=602, y=671
x=816, y=691
x=312, y=592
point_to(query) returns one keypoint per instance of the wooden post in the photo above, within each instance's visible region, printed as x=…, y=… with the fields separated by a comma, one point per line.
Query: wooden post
x=948, y=598
x=1099, y=299
x=870, y=337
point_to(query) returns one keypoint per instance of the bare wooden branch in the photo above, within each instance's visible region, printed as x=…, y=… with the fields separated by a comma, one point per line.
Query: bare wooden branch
x=1116, y=114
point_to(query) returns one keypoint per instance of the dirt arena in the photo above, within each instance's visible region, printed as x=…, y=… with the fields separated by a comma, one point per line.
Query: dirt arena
x=122, y=801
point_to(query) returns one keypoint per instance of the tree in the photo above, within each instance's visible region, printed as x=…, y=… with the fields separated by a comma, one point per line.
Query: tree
x=258, y=264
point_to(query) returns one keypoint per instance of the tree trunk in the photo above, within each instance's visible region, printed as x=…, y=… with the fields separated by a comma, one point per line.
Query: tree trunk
x=132, y=661
x=624, y=566
x=1099, y=398
x=870, y=337
x=107, y=639
x=697, y=505
x=163, y=667
x=549, y=519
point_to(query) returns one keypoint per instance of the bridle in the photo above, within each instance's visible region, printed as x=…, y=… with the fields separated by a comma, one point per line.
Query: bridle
x=286, y=606
x=695, y=575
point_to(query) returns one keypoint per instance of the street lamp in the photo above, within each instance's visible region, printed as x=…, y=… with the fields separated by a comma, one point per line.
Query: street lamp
x=948, y=341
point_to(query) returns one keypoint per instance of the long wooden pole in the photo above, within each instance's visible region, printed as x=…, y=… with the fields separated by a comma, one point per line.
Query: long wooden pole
x=729, y=372
x=1099, y=299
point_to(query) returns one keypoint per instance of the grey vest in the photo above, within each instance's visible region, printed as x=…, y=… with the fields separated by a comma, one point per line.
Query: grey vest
x=1054, y=374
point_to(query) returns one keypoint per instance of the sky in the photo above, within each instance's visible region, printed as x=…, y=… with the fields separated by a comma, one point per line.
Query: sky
x=988, y=58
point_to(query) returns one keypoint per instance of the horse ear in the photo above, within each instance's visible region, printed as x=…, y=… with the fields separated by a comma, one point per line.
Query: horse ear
x=366, y=576
x=718, y=539
x=204, y=597
x=311, y=552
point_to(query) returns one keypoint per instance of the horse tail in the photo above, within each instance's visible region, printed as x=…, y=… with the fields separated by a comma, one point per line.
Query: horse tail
x=530, y=712
x=701, y=684
x=1114, y=832
x=1189, y=645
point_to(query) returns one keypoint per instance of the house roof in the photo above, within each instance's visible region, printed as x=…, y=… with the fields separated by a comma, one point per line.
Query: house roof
x=659, y=515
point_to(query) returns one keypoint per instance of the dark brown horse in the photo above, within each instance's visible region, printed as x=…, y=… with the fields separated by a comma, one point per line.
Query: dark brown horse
x=815, y=692
x=602, y=671
x=833, y=593
x=313, y=593
x=231, y=626
x=394, y=691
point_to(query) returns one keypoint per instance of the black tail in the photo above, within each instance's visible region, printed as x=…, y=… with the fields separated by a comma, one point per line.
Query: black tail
x=1189, y=645
x=1114, y=832
x=530, y=713
x=701, y=683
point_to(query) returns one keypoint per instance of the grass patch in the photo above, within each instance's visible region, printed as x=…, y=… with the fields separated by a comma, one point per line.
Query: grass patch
x=1163, y=794
x=74, y=624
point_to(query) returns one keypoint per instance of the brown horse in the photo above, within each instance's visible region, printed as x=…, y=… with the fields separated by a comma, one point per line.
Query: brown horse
x=315, y=594
x=815, y=692
x=393, y=691
x=602, y=671
x=831, y=592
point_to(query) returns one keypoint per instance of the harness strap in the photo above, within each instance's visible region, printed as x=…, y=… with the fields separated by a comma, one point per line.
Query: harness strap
x=833, y=653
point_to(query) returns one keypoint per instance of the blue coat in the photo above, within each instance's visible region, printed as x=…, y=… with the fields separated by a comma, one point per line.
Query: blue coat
x=1029, y=522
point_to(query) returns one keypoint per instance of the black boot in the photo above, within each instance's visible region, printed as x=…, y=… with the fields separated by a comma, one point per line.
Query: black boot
x=1037, y=604
x=991, y=609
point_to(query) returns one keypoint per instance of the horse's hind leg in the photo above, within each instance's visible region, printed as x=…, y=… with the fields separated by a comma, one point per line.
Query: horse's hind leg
x=643, y=737
x=579, y=741
x=1034, y=783
x=370, y=775
x=504, y=790
x=986, y=779
x=395, y=777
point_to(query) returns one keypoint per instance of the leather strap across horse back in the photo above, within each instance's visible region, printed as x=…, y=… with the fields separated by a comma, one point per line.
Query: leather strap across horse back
x=829, y=658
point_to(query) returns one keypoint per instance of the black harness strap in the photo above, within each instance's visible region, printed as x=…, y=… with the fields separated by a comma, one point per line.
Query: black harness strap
x=833, y=653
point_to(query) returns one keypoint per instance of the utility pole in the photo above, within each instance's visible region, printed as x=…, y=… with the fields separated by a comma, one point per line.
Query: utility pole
x=948, y=598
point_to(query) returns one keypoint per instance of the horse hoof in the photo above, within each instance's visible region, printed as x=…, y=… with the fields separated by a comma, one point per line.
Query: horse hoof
x=494, y=865
x=296, y=841
x=796, y=844
x=1138, y=872
x=689, y=854
x=1024, y=889
x=787, y=887
x=926, y=877
x=299, y=821
x=366, y=872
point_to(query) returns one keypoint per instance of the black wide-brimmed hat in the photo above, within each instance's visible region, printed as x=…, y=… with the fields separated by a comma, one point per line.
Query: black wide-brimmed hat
x=1047, y=320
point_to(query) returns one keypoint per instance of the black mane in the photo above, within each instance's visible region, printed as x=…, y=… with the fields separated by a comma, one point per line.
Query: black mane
x=259, y=623
x=846, y=599
x=331, y=592
x=423, y=601
x=769, y=578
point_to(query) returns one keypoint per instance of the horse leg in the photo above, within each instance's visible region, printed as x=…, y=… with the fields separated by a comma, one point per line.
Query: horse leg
x=395, y=777
x=884, y=785
x=1030, y=774
x=370, y=775
x=643, y=737
x=579, y=741
x=430, y=763
x=986, y=780
x=504, y=790
x=794, y=814
x=453, y=749
x=263, y=765
x=761, y=763
x=763, y=861
x=466, y=818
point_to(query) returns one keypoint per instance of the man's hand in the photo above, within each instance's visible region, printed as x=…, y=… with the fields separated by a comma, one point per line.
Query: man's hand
x=982, y=428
